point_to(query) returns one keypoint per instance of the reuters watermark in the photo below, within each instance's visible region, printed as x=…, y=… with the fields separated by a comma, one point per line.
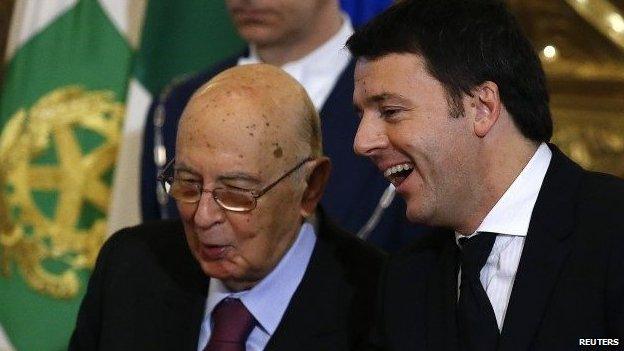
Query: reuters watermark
x=599, y=342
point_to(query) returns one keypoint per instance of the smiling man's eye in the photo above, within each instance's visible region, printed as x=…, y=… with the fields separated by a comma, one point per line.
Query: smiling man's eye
x=387, y=112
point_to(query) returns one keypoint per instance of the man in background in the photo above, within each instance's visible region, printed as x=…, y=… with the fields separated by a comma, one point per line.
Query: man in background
x=454, y=112
x=251, y=264
x=306, y=39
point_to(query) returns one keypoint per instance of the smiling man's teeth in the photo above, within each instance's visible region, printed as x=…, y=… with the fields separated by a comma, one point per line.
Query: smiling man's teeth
x=396, y=169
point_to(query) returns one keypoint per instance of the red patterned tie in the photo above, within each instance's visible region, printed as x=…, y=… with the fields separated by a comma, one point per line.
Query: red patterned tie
x=232, y=325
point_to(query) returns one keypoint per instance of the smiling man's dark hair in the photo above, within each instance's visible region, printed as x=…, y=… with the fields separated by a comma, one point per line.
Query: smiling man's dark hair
x=477, y=41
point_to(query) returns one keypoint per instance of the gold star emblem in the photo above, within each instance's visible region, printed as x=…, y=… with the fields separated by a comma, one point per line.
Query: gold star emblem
x=56, y=157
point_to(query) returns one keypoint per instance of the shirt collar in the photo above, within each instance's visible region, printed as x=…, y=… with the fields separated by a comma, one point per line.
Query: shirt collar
x=267, y=301
x=322, y=62
x=512, y=213
x=323, y=55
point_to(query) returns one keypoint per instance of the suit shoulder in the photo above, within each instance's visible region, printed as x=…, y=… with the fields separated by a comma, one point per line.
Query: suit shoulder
x=156, y=237
x=152, y=230
x=600, y=207
x=353, y=251
x=601, y=196
x=603, y=186
x=154, y=249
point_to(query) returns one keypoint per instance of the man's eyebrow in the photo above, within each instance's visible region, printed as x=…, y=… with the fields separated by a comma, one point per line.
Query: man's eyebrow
x=231, y=176
x=387, y=96
x=239, y=176
x=379, y=98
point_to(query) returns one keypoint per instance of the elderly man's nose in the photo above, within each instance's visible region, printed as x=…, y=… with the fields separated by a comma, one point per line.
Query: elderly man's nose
x=370, y=136
x=208, y=212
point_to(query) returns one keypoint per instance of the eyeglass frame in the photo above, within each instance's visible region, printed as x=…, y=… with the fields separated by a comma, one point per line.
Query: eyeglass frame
x=255, y=194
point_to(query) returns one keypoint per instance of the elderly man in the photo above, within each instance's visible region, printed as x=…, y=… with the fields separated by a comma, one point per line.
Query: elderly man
x=260, y=268
x=305, y=38
x=454, y=112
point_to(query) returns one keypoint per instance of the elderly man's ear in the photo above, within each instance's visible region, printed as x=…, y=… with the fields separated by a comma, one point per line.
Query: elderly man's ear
x=315, y=185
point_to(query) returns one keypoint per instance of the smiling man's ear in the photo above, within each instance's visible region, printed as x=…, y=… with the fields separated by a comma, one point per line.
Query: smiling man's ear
x=487, y=105
x=316, y=181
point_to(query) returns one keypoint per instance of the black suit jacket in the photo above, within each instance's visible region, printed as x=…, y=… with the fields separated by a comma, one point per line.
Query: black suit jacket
x=569, y=283
x=355, y=185
x=148, y=293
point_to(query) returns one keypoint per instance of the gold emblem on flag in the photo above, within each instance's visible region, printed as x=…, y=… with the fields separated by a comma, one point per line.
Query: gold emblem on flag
x=54, y=186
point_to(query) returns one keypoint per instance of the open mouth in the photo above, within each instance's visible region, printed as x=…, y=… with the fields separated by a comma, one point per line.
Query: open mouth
x=398, y=173
x=213, y=252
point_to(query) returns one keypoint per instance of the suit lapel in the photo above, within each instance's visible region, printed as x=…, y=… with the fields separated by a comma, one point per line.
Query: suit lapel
x=442, y=299
x=183, y=300
x=312, y=319
x=545, y=250
x=181, y=320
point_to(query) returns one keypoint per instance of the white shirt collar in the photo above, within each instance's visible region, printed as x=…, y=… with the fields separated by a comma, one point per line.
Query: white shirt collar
x=267, y=301
x=512, y=213
x=319, y=70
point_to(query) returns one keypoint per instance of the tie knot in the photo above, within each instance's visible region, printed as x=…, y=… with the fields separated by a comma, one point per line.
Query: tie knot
x=232, y=322
x=475, y=251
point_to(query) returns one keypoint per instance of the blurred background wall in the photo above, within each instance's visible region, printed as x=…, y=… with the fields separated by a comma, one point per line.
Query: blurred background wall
x=581, y=44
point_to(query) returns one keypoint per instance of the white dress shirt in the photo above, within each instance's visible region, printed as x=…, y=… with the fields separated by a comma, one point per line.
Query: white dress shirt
x=319, y=70
x=268, y=300
x=510, y=219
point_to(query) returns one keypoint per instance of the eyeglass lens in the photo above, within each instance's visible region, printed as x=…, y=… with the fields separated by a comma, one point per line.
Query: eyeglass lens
x=230, y=199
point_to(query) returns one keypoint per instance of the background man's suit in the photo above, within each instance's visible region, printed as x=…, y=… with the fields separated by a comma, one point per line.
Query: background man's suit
x=569, y=284
x=148, y=293
x=354, y=187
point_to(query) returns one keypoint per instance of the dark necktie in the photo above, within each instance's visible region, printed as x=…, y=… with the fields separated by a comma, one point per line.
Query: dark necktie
x=232, y=325
x=478, y=330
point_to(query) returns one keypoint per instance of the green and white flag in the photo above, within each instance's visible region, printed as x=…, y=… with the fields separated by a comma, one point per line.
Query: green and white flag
x=178, y=38
x=70, y=150
x=61, y=113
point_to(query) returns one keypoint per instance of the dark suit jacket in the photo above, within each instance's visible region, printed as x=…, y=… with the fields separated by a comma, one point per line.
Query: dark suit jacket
x=148, y=293
x=354, y=187
x=569, y=283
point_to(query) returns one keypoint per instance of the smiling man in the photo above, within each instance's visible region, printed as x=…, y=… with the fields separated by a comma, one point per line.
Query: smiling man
x=454, y=112
x=261, y=268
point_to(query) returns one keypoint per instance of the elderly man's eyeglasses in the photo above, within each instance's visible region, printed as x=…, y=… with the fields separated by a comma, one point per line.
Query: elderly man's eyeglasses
x=229, y=198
